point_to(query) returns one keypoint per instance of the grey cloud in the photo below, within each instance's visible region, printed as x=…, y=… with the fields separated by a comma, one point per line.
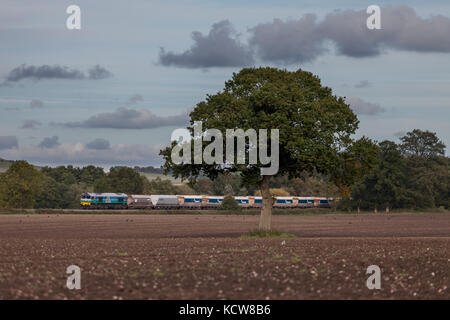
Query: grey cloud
x=305, y=39
x=8, y=142
x=98, y=144
x=43, y=72
x=36, y=104
x=125, y=118
x=97, y=72
x=135, y=99
x=220, y=48
x=401, y=28
x=363, y=84
x=49, y=142
x=288, y=42
x=23, y=72
x=30, y=124
x=359, y=106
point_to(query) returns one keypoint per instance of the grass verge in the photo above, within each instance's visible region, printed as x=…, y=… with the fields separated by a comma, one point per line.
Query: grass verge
x=274, y=233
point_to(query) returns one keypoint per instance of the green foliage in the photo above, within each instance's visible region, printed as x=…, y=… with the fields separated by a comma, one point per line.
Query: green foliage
x=274, y=233
x=52, y=195
x=72, y=175
x=159, y=186
x=120, y=180
x=385, y=186
x=20, y=185
x=422, y=144
x=203, y=186
x=230, y=204
x=59, y=195
x=428, y=170
x=314, y=125
x=67, y=175
x=90, y=174
x=310, y=118
x=414, y=174
x=149, y=169
x=354, y=163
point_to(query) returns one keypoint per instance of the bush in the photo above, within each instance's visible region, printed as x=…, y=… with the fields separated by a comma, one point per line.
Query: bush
x=230, y=204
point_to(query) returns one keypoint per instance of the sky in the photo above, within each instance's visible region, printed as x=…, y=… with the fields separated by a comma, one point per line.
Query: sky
x=112, y=92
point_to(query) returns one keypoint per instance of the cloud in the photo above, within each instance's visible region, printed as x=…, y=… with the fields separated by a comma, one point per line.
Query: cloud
x=97, y=73
x=220, y=48
x=401, y=28
x=43, y=72
x=36, y=104
x=303, y=40
x=293, y=41
x=359, y=106
x=79, y=154
x=124, y=118
x=135, y=99
x=49, y=142
x=98, y=144
x=8, y=142
x=37, y=73
x=363, y=84
x=30, y=124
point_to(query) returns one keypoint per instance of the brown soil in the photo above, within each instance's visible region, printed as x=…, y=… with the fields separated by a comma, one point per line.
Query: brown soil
x=203, y=257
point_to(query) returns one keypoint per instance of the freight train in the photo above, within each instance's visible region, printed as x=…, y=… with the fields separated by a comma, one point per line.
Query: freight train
x=199, y=202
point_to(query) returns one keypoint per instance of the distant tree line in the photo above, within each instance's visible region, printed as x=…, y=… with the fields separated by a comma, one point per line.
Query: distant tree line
x=411, y=174
x=149, y=169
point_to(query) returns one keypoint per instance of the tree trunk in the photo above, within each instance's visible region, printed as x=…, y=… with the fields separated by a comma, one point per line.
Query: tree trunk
x=265, y=221
x=387, y=209
x=375, y=210
x=359, y=209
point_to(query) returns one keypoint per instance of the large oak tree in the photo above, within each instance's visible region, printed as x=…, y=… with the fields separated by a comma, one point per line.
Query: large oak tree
x=315, y=127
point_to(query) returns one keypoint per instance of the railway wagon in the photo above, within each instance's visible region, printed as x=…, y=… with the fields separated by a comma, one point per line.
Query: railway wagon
x=104, y=201
x=165, y=202
x=283, y=202
x=255, y=202
x=302, y=202
x=244, y=202
x=139, y=201
x=324, y=202
x=212, y=202
x=190, y=202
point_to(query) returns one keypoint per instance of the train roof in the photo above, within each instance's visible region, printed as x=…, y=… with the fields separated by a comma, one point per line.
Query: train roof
x=106, y=194
x=190, y=196
x=165, y=196
x=140, y=196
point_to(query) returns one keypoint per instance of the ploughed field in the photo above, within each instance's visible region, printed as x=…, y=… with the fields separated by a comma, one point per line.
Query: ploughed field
x=205, y=257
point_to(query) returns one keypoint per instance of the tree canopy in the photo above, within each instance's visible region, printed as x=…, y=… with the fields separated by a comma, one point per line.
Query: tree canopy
x=20, y=185
x=315, y=126
x=121, y=180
